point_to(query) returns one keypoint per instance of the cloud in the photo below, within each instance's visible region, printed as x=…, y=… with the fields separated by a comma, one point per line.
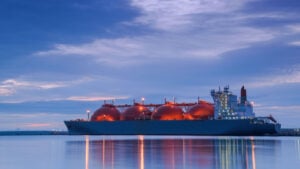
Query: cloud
x=280, y=108
x=173, y=15
x=295, y=28
x=36, y=125
x=13, y=83
x=197, y=29
x=295, y=43
x=103, y=47
x=92, y=98
x=288, y=76
x=132, y=50
x=5, y=91
x=11, y=86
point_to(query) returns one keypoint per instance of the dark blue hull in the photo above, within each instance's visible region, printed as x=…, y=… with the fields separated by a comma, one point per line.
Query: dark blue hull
x=178, y=127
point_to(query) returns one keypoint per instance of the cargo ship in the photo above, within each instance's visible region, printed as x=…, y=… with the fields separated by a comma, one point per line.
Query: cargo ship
x=228, y=115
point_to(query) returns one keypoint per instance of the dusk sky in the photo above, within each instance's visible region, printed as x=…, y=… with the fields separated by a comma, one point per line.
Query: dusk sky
x=61, y=57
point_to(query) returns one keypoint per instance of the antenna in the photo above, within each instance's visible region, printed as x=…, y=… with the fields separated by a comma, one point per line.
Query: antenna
x=143, y=100
x=88, y=114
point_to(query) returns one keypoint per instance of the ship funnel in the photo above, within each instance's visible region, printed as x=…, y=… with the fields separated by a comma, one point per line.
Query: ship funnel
x=243, y=95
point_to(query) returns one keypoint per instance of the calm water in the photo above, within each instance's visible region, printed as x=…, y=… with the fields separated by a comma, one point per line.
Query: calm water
x=148, y=152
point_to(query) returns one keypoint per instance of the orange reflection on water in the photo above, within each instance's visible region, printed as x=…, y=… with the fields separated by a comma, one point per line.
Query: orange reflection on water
x=103, y=153
x=107, y=153
x=167, y=152
x=141, y=152
x=183, y=153
x=253, y=154
x=87, y=146
x=171, y=153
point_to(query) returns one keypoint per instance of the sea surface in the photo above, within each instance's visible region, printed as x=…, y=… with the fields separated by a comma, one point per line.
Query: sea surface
x=148, y=152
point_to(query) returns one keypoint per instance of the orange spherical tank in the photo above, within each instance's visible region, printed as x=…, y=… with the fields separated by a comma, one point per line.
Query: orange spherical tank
x=107, y=112
x=168, y=112
x=137, y=111
x=202, y=110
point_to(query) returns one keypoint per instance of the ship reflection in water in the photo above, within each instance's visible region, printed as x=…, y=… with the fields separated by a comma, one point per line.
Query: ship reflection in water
x=111, y=152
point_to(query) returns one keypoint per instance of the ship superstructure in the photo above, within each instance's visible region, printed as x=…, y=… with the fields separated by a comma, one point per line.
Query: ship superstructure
x=227, y=106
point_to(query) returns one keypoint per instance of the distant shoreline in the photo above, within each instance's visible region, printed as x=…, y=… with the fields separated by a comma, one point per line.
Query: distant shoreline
x=283, y=132
x=28, y=132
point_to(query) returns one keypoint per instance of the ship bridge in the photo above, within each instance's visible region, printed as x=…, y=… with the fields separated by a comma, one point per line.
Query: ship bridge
x=227, y=105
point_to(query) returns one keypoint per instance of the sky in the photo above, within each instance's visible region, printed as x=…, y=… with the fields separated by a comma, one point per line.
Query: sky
x=59, y=58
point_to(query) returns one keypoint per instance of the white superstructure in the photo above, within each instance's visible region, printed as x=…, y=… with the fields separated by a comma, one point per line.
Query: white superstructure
x=227, y=105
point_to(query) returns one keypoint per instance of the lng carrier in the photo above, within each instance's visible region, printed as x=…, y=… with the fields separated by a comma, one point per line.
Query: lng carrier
x=228, y=115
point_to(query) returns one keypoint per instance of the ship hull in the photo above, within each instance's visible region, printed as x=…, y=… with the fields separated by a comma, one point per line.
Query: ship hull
x=176, y=127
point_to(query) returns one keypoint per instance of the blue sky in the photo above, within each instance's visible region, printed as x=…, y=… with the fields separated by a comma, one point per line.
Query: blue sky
x=59, y=58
